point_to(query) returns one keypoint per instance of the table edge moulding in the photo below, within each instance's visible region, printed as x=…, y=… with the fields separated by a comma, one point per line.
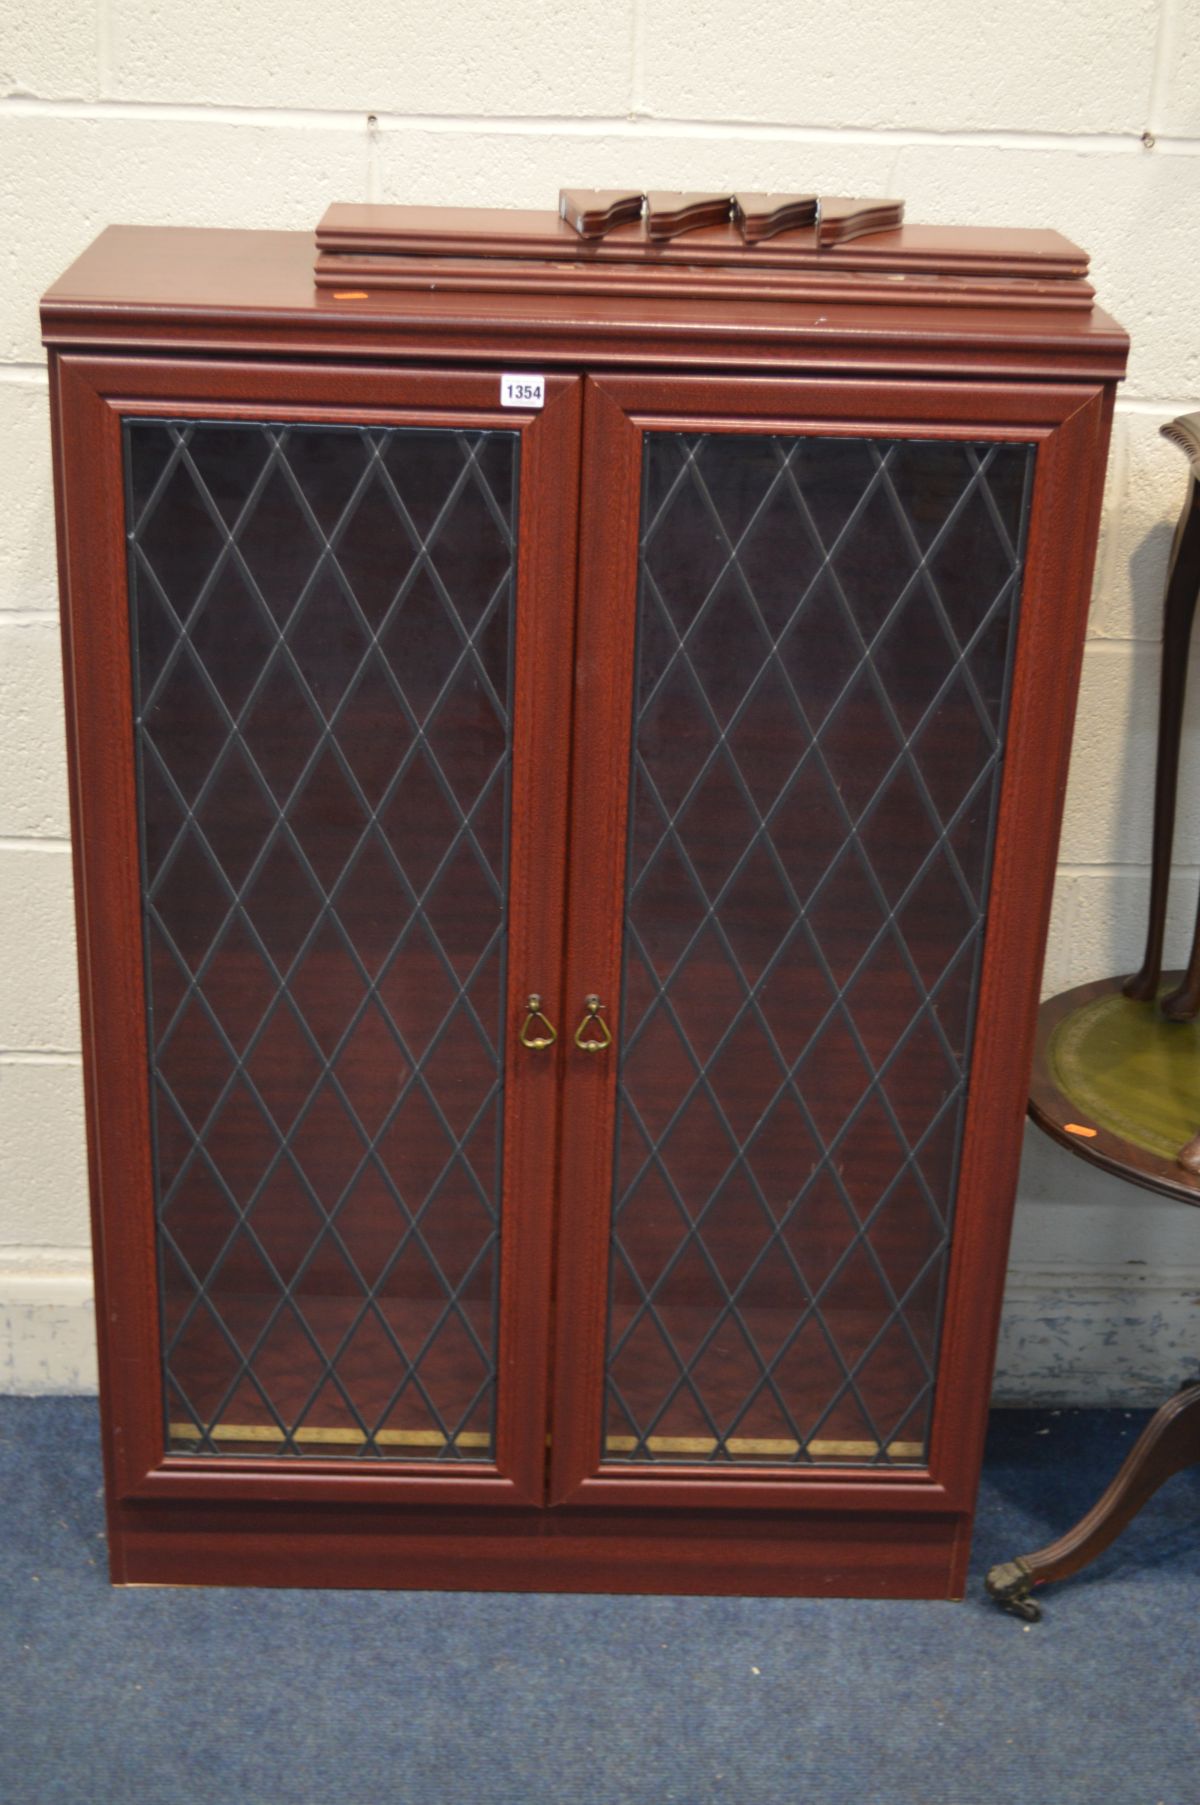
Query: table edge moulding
x=404, y=320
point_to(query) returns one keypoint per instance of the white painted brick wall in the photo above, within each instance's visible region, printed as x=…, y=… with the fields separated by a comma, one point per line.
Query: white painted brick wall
x=1081, y=66
x=460, y=168
x=39, y=997
x=33, y=766
x=1085, y=117
x=51, y=50
x=477, y=57
x=27, y=575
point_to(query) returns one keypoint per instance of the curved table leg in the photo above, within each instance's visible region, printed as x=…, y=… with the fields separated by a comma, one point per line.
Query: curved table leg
x=1169, y=1443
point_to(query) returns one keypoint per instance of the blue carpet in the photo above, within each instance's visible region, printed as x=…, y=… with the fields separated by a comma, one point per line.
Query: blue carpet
x=162, y=1696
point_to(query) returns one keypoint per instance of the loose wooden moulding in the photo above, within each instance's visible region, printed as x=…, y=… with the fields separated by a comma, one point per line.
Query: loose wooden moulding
x=567, y=744
x=595, y=212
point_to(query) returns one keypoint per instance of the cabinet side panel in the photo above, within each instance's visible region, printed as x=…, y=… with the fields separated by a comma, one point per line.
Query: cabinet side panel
x=104, y=826
x=1061, y=550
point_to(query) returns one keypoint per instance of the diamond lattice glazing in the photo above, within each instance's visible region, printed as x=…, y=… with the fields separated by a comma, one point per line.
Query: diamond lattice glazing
x=322, y=627
x=824, y=640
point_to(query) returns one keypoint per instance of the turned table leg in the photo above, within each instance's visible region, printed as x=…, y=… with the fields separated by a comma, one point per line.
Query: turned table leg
x=1169, y=1443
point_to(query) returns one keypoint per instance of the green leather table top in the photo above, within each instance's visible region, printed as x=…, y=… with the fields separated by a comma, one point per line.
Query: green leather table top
x=1131, y=1071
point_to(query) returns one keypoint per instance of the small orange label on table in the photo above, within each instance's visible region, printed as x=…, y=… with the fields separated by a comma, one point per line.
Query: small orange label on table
x=350, y=294
x=1078, y=1128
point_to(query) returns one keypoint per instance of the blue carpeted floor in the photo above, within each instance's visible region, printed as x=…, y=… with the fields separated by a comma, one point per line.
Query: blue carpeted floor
x=159, y=1696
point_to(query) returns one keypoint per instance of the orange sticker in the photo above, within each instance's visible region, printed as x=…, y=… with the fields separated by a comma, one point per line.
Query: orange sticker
x=350, y=294
x=1078, y=1128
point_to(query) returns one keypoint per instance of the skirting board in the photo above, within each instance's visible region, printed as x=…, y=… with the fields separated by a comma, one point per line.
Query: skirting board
x=1124, y=1335
x=47, y=1332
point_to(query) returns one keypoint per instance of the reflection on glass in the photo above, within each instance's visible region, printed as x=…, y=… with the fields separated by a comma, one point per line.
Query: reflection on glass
x=322, y=621
x=824, y=640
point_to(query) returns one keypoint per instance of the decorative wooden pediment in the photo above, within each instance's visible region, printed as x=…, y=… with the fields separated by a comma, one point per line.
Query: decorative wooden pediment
x=595, y=211
x=839, y=220
x=762, y=216
x=667, y=215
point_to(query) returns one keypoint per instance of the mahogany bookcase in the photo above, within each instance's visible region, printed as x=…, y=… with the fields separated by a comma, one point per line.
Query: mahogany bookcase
x=567, y=749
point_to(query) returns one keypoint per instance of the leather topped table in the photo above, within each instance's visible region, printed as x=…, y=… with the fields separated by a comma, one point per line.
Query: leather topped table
x=1119, y=1084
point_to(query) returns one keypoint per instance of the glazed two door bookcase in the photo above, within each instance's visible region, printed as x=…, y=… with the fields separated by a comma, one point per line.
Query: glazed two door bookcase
x=563, y=853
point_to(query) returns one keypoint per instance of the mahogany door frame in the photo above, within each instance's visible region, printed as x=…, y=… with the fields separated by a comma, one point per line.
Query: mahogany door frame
x=1069, y=423
x=90, y=396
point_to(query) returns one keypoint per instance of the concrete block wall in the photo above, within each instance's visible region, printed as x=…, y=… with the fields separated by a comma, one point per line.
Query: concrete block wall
x=1085, y=117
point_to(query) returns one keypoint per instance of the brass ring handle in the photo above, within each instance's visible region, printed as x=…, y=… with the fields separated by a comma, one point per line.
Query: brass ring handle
x=529, y=1036
x=592, y=1024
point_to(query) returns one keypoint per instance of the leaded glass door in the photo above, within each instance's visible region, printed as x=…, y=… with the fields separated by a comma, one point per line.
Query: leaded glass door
x=797, y=688
x=346, y=839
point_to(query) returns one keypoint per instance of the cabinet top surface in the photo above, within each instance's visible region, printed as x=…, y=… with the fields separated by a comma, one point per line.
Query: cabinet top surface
x=186, y=287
